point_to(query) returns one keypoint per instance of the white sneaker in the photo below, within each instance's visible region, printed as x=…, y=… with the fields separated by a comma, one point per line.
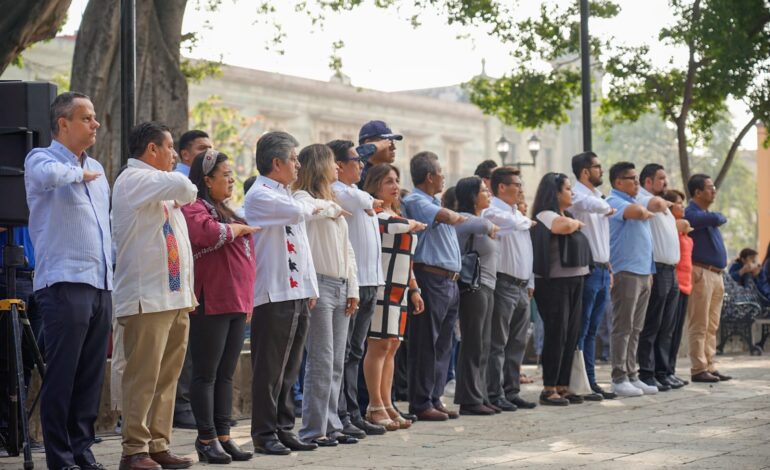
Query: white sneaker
x=449, y=389
x=646, y=389
x=625, y=389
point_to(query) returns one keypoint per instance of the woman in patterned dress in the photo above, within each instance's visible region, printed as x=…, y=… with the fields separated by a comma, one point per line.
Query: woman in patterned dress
x=389, y=320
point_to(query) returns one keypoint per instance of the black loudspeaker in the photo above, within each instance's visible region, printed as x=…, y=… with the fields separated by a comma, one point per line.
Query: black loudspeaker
x=24, y=125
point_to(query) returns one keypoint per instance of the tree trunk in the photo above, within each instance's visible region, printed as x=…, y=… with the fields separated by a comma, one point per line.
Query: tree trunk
x=161, y=88
x=684, y=154
x=733, y=150
x=24, y=23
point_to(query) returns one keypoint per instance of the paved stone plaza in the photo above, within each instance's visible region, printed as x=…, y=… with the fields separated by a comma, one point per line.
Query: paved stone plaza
x=723, y=426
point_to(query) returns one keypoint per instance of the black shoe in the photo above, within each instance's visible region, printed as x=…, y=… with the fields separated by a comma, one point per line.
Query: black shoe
x=238, y=454
x=521, y=403
x=683, y=381
x=325, y=442
x=574, y=399
x=354, y=431
x=342, y=438
x=476, y=410
x=233, y=423
x=606, y=395
x=290, y=440
x=654, y=383
x=184, y=420
x=593, y=397
x=410, y=416
x=271, y=446
x=98, y=440
x=92, y=466
x=212, y=452
x=369, y=428
x=504, y=404
x=673, y=381
x=664, y=381
x=721, y=377
x=552, y=399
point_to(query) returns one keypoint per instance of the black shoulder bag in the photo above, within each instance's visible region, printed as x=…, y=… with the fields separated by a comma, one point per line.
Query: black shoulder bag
x=470, y=269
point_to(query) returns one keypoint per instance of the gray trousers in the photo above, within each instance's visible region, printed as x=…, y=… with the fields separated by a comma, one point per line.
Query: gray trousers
x=326, y=338
x=476, y=331
x=630, y=296
x=510, y=318
x=358, y=330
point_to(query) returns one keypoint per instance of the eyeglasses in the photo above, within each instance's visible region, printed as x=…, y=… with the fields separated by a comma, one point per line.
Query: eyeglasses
x=597, y=166
x=514, y=183
x=635, y=179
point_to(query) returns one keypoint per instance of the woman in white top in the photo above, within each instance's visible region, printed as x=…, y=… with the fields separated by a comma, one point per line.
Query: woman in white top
x=335, y=266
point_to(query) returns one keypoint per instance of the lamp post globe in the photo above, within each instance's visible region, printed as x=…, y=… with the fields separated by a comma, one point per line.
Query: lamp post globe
x=533, y=144
x=503, y=148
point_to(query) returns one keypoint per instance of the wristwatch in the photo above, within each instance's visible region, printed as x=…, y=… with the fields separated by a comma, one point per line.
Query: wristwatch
x=416, y=289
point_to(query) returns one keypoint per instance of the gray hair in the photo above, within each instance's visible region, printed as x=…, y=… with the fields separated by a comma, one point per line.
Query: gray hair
x=62, y=107
x=272, y=145
x=422, y=165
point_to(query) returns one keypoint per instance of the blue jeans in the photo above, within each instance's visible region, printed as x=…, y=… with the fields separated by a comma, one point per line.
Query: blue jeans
x=596, y=294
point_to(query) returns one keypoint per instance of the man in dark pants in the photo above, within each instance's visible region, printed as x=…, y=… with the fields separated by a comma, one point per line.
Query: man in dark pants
x=285, y=291
x=436, y=268
x=660, y=320
x=69, y=223
x=365, y=239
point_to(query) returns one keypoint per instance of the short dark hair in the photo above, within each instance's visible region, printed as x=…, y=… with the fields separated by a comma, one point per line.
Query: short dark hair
x=671, y=195
x=340, y=149
x=697, y=182
x=248, y=184
x=189, y=137
x=276, y=144
x=467, y=193
x=143, y=134
x=421, y=165
x=449, y=198
x=619, y=169
x=649, y=171
x=62, y=107
x=582, y=161
x=484, y=170
x=500, y=176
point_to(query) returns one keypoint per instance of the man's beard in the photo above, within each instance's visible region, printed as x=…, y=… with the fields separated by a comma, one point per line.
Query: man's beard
x=595, y=181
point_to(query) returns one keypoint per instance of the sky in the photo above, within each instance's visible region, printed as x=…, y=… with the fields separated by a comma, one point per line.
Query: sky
x=382, y=51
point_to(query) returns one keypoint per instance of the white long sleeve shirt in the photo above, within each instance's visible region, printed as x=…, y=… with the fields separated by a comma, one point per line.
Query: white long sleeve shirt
x=589, y=207
x=154, y=261
x=665, y=237
x=285, y=269
x=364, y=232
x=329, y=242
x=515, y=243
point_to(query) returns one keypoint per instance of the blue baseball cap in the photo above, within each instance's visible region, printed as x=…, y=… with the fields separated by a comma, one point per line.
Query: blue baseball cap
x=377, y=129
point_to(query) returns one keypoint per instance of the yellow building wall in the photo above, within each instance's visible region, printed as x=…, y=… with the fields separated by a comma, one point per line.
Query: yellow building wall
x=763, y=189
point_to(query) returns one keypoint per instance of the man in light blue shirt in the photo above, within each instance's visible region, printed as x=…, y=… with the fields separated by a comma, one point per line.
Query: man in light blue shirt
x=191, y=144
x=632, y=263
x=69, y=224
x=436, y=268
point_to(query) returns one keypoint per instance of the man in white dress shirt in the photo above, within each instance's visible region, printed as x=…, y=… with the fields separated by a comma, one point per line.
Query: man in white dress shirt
x=153, y=293
x=514, y=288
x=658, y=330
x=285, y=291
x=589, y=207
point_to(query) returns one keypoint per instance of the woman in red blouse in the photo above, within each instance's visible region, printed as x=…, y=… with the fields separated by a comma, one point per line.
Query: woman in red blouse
x=225, y=269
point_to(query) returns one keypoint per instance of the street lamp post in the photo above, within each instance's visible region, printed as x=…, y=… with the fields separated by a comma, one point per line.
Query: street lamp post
x=533, y=145
x=503, y=148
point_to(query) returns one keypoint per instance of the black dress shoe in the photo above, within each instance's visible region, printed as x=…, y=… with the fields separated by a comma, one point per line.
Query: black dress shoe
x=369, y=428
x=212, y=452
x=504, y=404
x=654, y=383
x=92, y=466
x=271, y=447
x=665, y=381
x=552, y=399
x=721, y=377
x=574, y=399
x=673, y=381
x=325, y=442
x=352, y=430
x=684, y=382
x=184, y=420
x=593, y=397
x=235, y=451
x=606, y=395
x=410, y=416
x=342, y=438
x=521, y=403
x=476, y=410
x=290, y=440
x=493, y=407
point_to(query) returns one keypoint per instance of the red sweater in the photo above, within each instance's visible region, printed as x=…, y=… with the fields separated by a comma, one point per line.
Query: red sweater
x=225, y=267
x=684, y=268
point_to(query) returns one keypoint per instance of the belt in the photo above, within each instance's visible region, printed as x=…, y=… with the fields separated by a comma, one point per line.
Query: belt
x=601, y=265
x=665, y=266
x=513, y=280
x=436, y=270
x=21, y=274
x=708, y=267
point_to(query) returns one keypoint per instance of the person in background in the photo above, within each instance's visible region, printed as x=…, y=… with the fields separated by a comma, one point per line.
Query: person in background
x=386, y=330
x=225, y=269
x=449, y=201
x=377, y=144
x=191, y=143
x=684, y=280
x=562, y=256
x=154, y=293
x=484, y=171
x=246, y=187
x=69, y=225
x=746, y=267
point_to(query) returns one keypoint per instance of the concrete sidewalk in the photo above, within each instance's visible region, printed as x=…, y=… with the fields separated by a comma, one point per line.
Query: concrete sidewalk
x=703, y=426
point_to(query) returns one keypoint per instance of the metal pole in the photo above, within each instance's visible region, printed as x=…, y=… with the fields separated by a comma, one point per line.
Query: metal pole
x=585, y=69
x=127, y=74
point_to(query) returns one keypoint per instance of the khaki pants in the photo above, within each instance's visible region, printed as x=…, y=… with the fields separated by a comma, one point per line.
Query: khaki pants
x=117, y=365
x=154, y=345
x=703, y=312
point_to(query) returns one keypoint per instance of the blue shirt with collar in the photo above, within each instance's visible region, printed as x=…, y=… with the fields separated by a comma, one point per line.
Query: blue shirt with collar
x=630, y=240
x=436, y=245
x=182, y=168
x=708, y=246
x=69, y=219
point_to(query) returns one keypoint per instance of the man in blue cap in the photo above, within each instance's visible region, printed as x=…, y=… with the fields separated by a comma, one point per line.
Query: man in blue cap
x=376, y=145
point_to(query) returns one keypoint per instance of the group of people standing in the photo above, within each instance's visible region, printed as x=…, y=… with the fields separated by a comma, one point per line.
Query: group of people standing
x=329, y=261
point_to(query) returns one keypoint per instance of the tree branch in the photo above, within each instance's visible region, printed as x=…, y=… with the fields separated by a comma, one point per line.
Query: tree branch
x=733, y=150
x=687, y=97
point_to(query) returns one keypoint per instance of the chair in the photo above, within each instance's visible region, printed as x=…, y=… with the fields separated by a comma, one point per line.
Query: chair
x=742, y=308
